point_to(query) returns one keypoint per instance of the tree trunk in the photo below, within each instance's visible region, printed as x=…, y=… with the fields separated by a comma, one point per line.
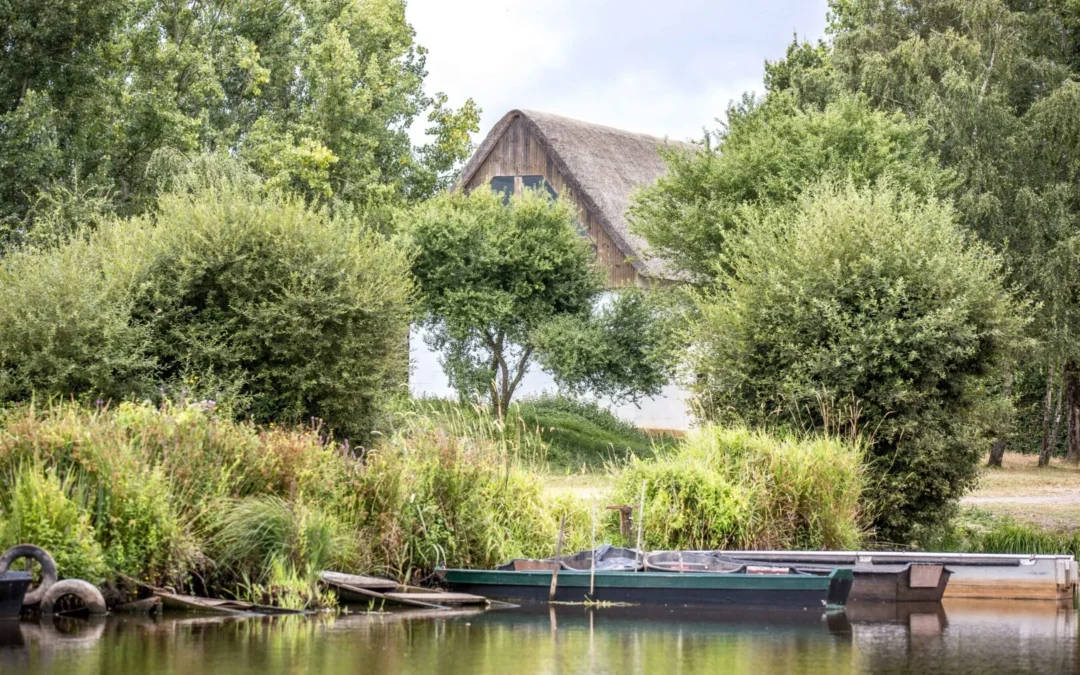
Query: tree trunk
x=1073, y=388
x=997, y=452
x=1047, y=447
x=1055, y=428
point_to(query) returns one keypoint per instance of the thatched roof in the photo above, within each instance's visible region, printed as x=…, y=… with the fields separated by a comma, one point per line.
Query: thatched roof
x=603, y=165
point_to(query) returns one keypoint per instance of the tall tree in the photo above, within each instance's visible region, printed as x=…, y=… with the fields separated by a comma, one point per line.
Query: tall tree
x=762, y=159
x=317, y=96
x=995, y=84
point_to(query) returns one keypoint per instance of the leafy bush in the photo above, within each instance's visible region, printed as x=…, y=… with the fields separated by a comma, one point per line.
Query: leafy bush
x=283, y=312
x=735, y=488
x=865, y=310
x=303, y=314
x=38, y=507
x=65, y=326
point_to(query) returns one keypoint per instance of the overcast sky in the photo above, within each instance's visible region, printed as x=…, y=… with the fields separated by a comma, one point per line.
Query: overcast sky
x=664, y=67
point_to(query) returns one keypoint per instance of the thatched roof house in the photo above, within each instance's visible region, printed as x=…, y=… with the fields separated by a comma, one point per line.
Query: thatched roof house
x=597, y=167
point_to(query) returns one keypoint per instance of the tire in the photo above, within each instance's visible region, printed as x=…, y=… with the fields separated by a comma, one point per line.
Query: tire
x=48, y=569
x=83, y=590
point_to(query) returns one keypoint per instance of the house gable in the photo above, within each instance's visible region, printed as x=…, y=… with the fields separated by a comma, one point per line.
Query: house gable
x=518, y=152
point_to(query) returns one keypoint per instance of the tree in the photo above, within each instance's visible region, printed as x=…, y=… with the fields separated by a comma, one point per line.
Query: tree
x=993, y=81
x=503, y=286
x=316, y=96
x=768, y=152
x=869, y=308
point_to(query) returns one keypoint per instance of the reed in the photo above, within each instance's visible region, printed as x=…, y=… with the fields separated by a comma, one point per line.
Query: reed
x=737, y=488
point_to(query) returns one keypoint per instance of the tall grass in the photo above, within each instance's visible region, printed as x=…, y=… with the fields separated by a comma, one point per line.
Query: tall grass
x=736, y=488
x=583, y=436
x=172, y=494
x=979, y=531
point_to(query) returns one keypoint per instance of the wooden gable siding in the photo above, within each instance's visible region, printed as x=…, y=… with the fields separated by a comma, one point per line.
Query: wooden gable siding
x=518, y=154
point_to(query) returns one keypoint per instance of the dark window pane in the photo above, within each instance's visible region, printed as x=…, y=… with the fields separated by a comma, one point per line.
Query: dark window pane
x=534, y=182
x=505, y=185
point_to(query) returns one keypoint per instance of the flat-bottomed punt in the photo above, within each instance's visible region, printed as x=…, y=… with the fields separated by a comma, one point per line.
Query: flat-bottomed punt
x=657, y=588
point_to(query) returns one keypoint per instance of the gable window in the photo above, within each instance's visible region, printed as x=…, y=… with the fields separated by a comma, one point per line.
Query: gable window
x=505, y=185
x=536, y=182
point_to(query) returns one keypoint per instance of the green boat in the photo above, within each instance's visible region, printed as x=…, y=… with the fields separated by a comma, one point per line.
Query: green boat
x=792, y=590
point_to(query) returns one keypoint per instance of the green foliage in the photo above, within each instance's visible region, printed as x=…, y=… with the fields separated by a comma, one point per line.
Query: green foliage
x=228, y=292
x=582, y=435
x=866, y=310
x=977, y=531
x=65, y=325
x=624, y=350
x=995, y=82
x=316, y=97
x=735, y=488
x=762, y=161
x=38, y=506
x=491, y=276
x=305, y=314
x=162, y=494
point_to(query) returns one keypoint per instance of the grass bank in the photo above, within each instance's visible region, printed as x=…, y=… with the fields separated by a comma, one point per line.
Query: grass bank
x=178, y=496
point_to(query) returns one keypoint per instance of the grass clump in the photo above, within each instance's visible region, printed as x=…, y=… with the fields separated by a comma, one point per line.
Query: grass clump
x=736, y=488
x=979, y=531
x=582, y=435
x=41, y=507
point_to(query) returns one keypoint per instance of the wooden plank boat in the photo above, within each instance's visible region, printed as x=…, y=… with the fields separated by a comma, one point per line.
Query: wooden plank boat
x=657, y=588
x=972, y=575
x=191, y=603
x=13, y=586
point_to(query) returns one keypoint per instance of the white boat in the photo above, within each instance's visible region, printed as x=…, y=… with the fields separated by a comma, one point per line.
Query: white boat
x=974, y=575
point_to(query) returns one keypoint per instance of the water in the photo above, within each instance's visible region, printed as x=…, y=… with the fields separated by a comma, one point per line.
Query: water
x=953, y=639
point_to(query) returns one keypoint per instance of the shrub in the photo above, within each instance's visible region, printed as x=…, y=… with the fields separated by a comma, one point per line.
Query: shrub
x=301, y=314
x=735, y=488
x=65, y=326
x=283, y=312
x=864, y=309
x=41, y=508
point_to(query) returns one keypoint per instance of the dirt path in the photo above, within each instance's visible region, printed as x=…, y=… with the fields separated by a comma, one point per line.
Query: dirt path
x=1069, y=498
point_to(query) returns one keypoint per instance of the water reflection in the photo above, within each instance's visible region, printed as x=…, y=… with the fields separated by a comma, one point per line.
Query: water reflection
x=959, y=637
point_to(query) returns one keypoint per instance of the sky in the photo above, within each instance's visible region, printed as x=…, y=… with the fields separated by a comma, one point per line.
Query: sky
x=663, y=67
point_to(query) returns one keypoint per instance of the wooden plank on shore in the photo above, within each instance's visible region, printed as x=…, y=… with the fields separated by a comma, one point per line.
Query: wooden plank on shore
x=358, y=581
x=400, y=600
x=440, y=598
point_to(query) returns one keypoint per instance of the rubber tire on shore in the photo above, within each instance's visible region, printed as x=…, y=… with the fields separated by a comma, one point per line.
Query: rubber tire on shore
x=48, y=569
x=83, y=590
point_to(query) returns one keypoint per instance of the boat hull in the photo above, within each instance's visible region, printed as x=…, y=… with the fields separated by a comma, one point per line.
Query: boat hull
x=13, y=587
x=976, y=576
x=656, y=588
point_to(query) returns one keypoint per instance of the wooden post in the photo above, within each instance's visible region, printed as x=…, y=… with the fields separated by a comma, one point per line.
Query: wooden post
x=558, y=554
x=641, y=522
x=592, y=565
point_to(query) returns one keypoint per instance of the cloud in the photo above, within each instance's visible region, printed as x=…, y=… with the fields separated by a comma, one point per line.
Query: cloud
x=667, y=68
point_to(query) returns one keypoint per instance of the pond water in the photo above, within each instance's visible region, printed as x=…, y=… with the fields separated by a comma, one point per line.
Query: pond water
x=950, y=639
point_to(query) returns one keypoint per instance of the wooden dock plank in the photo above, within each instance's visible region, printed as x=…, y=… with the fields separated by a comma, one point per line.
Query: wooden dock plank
x=440, y=598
